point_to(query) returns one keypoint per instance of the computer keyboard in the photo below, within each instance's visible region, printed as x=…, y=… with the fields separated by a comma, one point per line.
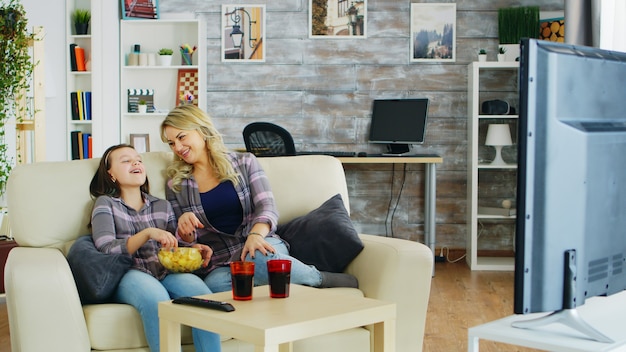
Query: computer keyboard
x=337, y=154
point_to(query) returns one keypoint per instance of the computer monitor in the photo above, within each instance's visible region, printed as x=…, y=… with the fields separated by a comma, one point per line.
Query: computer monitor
x=399, y=123
x=571, y=201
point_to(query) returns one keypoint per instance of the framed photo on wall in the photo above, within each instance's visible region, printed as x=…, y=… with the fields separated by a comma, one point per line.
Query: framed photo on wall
x=140, y=9
x=187, y=87
x=243, y=33
x=433, y=32
x=141, y=142
x=338, y=19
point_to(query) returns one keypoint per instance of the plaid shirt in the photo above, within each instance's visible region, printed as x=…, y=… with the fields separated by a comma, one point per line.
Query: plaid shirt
x=113, y=222
x=257, y=202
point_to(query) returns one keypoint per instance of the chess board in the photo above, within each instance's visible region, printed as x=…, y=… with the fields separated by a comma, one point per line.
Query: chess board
x=187, y=82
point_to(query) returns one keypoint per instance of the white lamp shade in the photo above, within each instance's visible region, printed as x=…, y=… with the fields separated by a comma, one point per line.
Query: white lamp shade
x=498, y=134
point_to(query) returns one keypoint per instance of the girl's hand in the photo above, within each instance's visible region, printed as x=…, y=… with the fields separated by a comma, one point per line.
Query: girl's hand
x=187, y=225
x=254, y=243
x=206, y=252
x=166, y=239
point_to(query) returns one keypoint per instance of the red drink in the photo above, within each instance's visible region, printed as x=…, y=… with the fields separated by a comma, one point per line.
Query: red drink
x=279, y=273
x=242, y=277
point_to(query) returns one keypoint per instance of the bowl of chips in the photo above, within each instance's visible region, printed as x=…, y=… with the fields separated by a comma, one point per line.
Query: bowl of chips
x=180, y=259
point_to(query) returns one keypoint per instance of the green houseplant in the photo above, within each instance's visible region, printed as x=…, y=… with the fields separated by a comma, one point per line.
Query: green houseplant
x=515, y=23
x=16, y=68
x=165, y=56
x=81, y=18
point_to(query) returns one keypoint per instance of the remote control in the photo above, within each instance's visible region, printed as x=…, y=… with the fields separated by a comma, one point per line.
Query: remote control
x=205, y=303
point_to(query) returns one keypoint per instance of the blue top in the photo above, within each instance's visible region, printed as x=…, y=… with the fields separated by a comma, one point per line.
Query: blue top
x=222, y=207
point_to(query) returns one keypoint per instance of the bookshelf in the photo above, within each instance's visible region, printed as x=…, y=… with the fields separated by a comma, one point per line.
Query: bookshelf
x=100, y=47
x=486, y=81
x=161, y=81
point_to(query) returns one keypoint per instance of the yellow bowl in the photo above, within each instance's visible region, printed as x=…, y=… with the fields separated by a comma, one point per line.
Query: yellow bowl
x=181, y=259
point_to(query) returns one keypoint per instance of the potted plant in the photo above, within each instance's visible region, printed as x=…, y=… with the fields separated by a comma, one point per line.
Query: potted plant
x=142, y=107
x=81, y=18
x=501, y=52
x=482, y=55
x=16, y=70
x=515, y=23
x=165, y=56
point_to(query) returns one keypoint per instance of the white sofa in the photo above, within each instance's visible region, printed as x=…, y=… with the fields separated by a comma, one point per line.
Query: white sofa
x=50, y=205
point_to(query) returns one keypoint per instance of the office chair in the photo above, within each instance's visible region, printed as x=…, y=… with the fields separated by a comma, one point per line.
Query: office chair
x=268, y=139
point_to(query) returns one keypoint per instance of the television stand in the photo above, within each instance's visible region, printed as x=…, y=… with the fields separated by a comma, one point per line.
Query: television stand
x=567, y=317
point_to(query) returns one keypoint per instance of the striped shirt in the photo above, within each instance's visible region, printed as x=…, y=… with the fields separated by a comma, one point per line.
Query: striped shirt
x=257, y=201
x=113, y=222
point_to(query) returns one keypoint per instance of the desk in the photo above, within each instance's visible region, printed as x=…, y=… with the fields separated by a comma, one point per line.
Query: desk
x=605, y=314
x=272, y=324
x=430, y=192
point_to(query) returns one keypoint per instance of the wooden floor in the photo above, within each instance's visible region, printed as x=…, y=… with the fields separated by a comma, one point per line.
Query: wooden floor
x=459, y=299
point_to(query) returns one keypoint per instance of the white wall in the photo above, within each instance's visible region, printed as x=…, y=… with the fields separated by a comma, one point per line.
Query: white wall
x=51, y=15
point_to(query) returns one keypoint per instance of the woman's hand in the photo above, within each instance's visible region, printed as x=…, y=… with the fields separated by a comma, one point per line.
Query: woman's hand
x=254, y=243
x=206, y=251
x=187, y=225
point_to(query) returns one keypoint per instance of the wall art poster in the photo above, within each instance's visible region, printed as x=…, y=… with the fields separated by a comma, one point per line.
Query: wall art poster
x=338, y=19
x=243, y=33
x=433, y=32
x=140, y=9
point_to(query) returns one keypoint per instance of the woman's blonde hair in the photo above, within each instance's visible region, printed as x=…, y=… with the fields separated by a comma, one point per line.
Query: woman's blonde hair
x=191, y=118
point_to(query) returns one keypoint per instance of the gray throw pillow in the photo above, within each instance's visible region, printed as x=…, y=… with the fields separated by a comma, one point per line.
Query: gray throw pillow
x=96, y=274
x=325, y=237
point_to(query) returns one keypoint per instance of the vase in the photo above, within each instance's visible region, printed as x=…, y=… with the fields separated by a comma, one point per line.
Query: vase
x=165, y=60
x=482, y=57
x=81, y=28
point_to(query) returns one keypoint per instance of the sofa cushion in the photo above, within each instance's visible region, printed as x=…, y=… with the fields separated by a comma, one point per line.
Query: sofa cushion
x=325, y=237
x=96, y=274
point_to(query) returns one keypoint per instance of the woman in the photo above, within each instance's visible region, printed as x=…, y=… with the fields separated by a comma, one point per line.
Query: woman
x=223, y=199
x=126, y=219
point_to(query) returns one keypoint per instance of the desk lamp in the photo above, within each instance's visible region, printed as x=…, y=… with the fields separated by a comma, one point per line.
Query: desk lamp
x=498, y=135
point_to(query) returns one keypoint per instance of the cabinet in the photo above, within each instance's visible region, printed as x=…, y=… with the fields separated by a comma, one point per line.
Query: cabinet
x=100, y=77
x=487, y=185
x=159, y=82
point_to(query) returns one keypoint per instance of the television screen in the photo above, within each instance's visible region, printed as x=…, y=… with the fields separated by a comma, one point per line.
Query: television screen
x=398, y=122
x=571, y=200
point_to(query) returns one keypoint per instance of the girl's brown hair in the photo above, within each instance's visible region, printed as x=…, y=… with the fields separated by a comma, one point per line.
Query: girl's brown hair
x=102, y=184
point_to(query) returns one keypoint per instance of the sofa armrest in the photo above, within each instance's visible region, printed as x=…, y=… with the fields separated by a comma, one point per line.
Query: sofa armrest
x=400, y=271
x=44, y=309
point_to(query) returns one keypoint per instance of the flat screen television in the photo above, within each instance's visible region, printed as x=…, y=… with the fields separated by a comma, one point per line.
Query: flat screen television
x=571, y=227
x=399, y=123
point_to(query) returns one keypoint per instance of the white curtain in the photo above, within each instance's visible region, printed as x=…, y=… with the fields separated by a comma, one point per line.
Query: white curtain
x=613, y=25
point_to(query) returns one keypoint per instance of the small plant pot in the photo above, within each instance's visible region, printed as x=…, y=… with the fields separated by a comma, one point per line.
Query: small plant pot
x=142, y=109
x=165, y=60
x=482, y=57
x=81, y=28
x=501, y=57
x=512, y=52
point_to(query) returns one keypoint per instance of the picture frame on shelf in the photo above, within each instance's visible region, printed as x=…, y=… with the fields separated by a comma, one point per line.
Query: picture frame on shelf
x=141, y=142
x=140, y=9
x=243, y=33
x=187, y=84
x=433, y=32
x=344, y=19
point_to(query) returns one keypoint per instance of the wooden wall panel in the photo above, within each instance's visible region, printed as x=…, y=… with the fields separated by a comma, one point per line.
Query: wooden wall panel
x=322, y=90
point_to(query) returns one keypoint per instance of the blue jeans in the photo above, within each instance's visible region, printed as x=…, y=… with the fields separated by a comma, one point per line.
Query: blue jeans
x=219, y=279
x=143, y=292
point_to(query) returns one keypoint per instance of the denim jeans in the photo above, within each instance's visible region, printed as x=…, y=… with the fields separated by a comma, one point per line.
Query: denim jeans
x=143, y=292
x=219, y=279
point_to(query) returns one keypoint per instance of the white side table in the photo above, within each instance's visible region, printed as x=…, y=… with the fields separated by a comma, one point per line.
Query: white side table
x=606, y=314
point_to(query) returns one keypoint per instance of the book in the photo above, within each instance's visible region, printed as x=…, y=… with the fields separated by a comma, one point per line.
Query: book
x=74, y=140
x=80, y=58
x=74, y=100
x=496, y=211
x=86, y=150
x=135, y=95
x=73, y=57
x=87, y=105
x=79, y=96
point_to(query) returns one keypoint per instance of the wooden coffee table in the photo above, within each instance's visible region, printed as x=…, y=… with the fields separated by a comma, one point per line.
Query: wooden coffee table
x=272, y=324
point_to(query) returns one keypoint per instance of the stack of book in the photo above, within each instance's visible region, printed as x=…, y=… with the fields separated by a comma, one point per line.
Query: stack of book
x=77, y=58
x=81, y=145
x=81, y=105
x=496, y=211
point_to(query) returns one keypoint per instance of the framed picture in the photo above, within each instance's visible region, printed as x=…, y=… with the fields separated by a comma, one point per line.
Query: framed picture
x=141, y=142
x=338, y=19
x=552, y=26
x=140, y=9
x=187, y=87
x=433, y=32
x=243, y=33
